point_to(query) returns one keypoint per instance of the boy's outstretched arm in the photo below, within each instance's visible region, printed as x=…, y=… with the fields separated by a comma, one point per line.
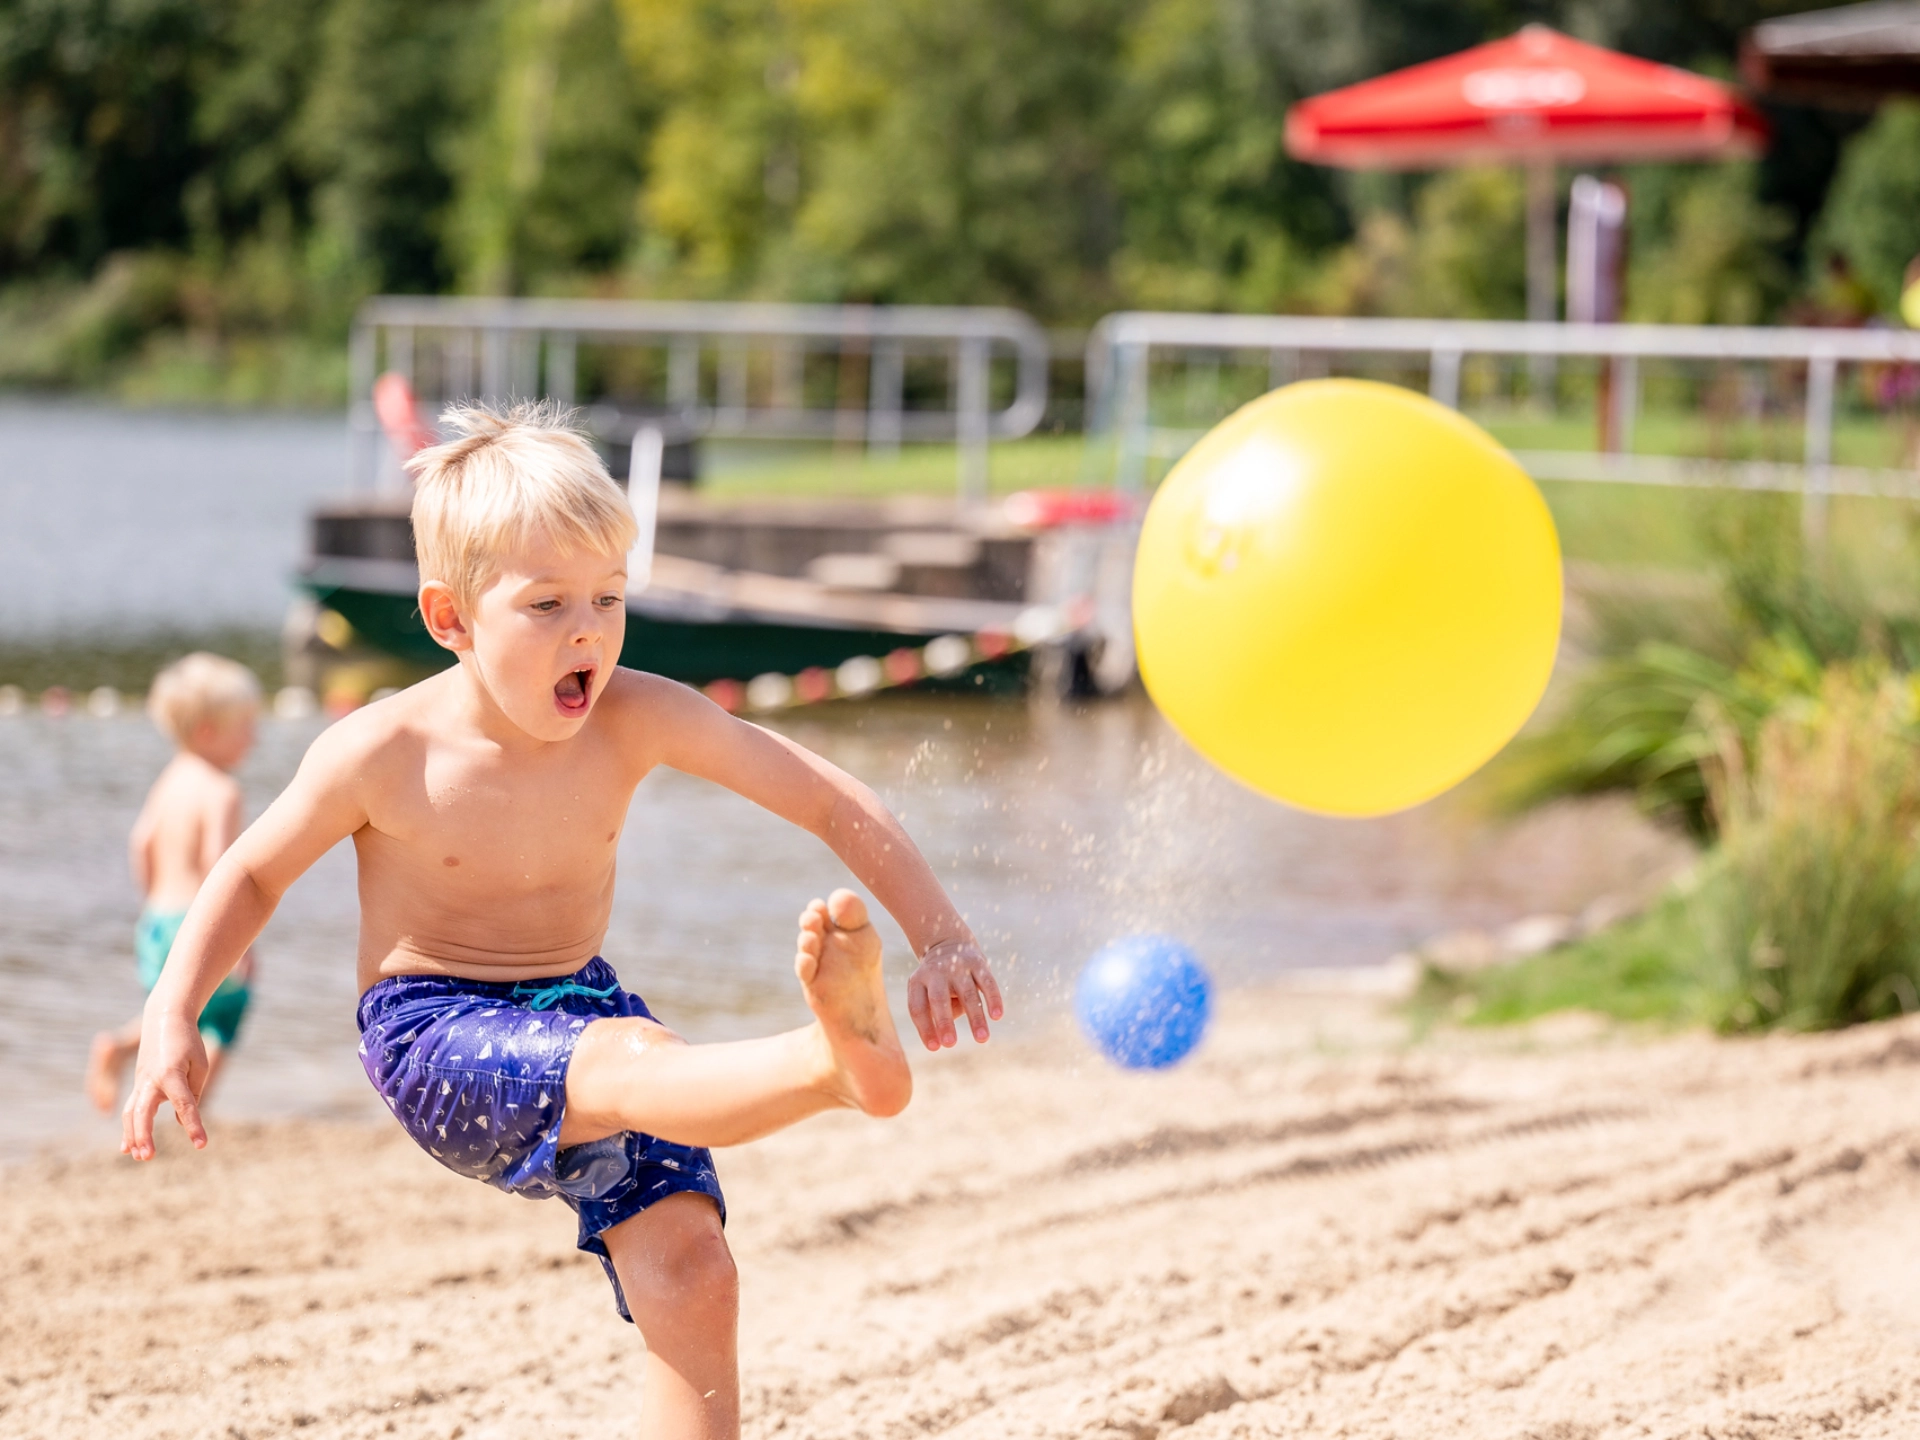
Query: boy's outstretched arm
x=685, y=730
x=317, y=810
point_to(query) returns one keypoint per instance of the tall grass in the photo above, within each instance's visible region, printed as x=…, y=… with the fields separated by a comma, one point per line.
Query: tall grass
x=1665, y=677
x=1808, y=915
x=1804, y=915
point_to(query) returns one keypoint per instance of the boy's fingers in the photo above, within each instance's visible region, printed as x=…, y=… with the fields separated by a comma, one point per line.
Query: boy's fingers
x=943, y=1004
x=134, y=1127
x=940, y=1003
x=975, y=1007
x=990, y=988
x=137, y=1131
x=921, y=1014
x=186, y=1108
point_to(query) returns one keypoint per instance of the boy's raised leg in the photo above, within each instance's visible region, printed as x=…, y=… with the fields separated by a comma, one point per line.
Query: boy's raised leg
x=636, y=1075
x=683, y=1293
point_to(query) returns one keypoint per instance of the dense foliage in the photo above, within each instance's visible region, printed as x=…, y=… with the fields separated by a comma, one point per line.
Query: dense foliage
x=195, y=193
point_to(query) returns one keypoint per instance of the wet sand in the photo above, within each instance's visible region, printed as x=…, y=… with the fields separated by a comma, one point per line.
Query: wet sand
x=1314, y=1229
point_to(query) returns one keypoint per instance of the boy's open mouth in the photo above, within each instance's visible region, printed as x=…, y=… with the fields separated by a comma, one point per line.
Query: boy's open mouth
x=574, y=692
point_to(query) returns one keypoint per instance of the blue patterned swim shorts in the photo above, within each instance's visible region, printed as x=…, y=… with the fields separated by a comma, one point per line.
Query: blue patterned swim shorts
x=477, y=1073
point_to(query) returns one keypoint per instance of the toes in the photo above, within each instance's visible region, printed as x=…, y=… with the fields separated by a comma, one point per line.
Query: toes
x=847, y=910
x=806, y=965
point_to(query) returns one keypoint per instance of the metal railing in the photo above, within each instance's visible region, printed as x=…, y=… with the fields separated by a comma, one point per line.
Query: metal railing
x=733, y=371
x=1121, y=351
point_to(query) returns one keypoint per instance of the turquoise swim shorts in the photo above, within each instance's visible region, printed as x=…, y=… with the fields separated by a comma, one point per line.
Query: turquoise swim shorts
x=152, y=940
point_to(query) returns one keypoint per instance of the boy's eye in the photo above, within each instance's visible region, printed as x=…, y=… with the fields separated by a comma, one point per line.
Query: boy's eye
x=545, y=606
x=607, y=602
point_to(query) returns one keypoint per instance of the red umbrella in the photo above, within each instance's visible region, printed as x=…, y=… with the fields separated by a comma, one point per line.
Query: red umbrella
x=1537, y=97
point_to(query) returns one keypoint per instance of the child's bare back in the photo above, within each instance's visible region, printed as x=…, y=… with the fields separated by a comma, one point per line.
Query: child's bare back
x=207, y=705
x=191, y=815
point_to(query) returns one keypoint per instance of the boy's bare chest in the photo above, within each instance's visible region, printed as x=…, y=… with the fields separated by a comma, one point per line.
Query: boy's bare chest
x=496, y=822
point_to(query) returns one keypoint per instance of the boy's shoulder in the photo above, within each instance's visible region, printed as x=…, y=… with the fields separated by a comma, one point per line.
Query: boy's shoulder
x=388, y=728
x=189, y=780
x=628, y=687
x=639, y=698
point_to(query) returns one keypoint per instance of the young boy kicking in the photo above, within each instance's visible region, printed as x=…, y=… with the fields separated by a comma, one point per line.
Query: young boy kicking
x=485, y=806
x=208, y=706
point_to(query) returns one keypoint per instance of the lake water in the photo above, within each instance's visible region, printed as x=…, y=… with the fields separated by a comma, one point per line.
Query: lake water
x=131, y=521
x=1056, y=829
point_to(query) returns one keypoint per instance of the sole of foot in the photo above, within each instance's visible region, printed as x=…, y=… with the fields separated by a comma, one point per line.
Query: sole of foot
x=838, y=962
x=103, y=1075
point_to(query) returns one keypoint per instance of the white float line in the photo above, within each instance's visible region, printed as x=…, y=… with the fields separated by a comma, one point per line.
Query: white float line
x=939, y=659
x=103, y=702
x=863, y=675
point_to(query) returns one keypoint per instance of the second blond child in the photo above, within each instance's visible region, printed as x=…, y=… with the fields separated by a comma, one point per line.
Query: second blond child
x=209, y=707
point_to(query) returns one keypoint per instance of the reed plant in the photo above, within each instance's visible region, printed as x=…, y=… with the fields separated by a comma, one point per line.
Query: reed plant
x=1807, y=915
x=1804, y=912
x=1642, y=716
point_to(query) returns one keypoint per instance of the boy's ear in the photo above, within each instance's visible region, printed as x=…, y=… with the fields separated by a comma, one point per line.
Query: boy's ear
x=442, y=617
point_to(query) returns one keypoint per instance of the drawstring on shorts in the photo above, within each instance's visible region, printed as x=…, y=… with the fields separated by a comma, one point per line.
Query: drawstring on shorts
x=545, y=997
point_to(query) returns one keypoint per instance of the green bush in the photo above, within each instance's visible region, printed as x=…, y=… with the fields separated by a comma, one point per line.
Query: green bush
x=1667, y=678
x=1634, y=722
x=1809, y=916
x=1639, y=970
x=1718, y=261
x=1805, y=916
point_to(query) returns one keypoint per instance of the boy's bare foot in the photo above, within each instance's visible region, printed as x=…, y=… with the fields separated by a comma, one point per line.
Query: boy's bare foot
x=839, y=968
x=104, y=1064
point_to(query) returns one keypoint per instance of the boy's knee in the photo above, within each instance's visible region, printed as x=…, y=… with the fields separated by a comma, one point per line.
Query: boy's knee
x=700, y=1264
x=682, y=1265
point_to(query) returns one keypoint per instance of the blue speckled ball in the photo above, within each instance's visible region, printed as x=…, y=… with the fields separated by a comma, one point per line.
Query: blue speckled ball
x=1144, y=1001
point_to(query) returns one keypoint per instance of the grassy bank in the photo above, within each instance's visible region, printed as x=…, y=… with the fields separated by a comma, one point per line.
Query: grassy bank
x=1636, y=971
x=1803, y=915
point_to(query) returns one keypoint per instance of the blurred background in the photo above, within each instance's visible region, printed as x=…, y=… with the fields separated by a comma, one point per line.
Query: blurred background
x=196, y=196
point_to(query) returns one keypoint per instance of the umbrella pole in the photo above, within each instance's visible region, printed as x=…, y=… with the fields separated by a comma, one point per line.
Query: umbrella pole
x=1543, y=265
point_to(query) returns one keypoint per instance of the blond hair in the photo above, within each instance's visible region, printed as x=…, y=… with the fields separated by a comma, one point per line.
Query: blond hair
x=201, y=688
x=504, y=479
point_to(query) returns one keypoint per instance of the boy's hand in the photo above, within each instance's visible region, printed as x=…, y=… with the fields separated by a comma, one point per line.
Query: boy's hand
x=172, y=1068
x=954, y=979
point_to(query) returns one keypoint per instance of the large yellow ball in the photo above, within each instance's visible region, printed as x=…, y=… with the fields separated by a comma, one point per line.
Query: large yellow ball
x=1347, y=596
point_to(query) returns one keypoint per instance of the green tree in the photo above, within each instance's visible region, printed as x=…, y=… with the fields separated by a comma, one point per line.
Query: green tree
x=1461, y=257
x=549, y=175
x=965, y=155
x=390, y=93
x=1711, y=253
x=1469, y=250
x=724, y=161
x=97, y=142
x=1215, y=216
x=1872, y=216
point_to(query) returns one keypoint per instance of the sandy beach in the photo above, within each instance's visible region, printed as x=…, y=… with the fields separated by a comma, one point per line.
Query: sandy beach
x=1313, y=1229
